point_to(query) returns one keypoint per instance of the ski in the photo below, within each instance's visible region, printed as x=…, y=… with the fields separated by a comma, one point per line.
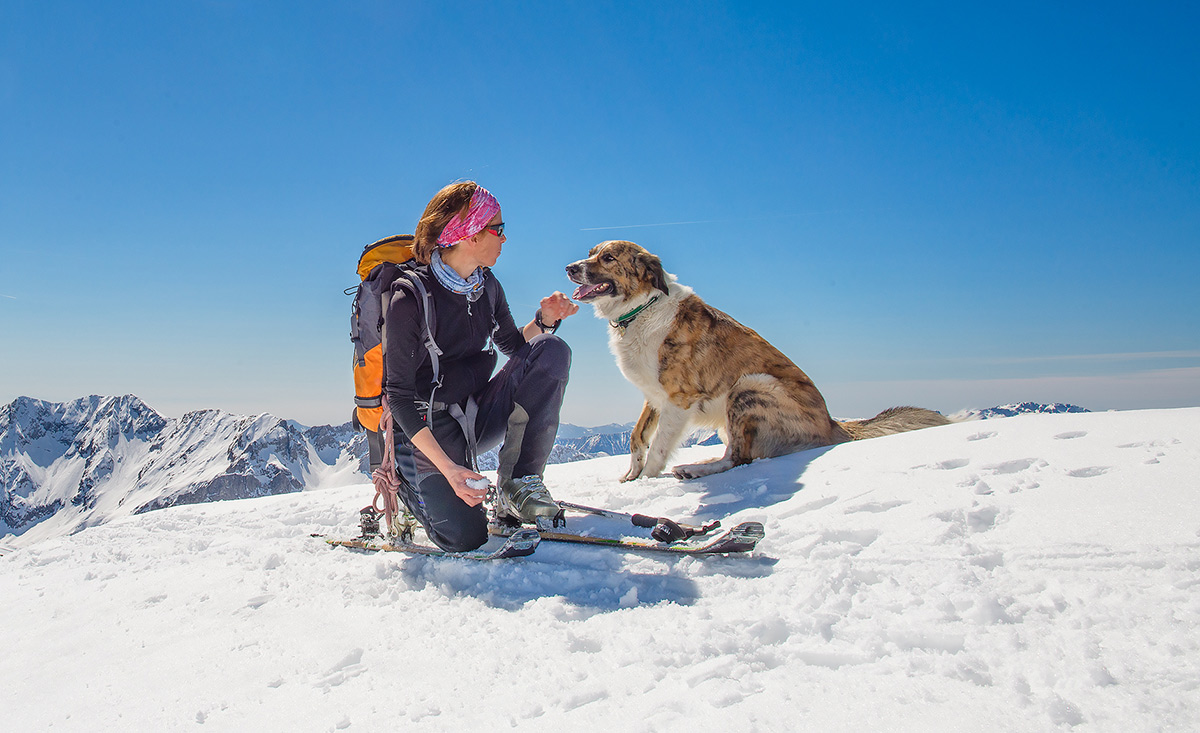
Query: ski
x=661, y=528
x=742, y=538
x=518, y=544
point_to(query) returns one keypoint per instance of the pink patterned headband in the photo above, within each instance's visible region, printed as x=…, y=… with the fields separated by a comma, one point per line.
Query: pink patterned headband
x=481, y=210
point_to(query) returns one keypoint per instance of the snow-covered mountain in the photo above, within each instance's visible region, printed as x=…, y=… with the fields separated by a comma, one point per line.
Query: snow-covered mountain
x=571, y=432
x=1019, y=408
x=574, y=443
x=65, y=466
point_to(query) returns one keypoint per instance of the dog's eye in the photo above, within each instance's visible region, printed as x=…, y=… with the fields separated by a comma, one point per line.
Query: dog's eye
x=607, y=258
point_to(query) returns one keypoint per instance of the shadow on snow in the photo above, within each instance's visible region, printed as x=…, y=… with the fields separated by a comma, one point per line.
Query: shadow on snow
x=756, y=485
x=599, y=579
x=593, y=579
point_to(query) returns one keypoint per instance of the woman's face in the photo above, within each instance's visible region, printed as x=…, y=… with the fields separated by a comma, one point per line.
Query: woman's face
x=488, y=243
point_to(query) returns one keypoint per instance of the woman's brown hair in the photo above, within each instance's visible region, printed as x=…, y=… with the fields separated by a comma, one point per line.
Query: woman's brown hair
x=451, y=200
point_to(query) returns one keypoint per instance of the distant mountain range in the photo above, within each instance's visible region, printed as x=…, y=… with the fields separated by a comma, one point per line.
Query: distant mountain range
x=580, y=444
x=66, y=466
x=1019, y=408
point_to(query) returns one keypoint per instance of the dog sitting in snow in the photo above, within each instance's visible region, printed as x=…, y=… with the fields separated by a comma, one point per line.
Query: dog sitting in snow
x=697, y=367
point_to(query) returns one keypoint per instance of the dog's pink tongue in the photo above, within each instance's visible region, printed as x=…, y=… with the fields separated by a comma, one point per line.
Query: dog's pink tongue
x=584, y=290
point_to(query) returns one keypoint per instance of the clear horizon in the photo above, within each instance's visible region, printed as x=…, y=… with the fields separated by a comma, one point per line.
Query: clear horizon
x=950, y=207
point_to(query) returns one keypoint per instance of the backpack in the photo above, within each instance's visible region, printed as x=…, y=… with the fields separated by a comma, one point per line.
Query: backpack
x=383, y=265
x=379, y=265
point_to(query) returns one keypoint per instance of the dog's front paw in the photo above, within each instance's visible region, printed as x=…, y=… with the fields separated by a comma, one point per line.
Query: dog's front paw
x=637, y=464
x=689, y=471
x=684, y=473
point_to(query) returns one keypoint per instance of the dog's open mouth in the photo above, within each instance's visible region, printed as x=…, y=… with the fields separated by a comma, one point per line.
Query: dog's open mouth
x=595, y=290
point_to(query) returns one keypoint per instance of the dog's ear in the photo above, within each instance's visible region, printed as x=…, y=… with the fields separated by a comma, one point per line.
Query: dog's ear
x=651, y=267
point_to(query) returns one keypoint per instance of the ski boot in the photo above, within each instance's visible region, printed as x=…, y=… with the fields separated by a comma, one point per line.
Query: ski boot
x=526, y=499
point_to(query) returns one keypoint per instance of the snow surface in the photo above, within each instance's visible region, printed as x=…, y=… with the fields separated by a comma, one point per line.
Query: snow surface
x=1028, y=573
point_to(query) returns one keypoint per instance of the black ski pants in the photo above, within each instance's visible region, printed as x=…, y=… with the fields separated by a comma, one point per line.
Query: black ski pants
x=518, y=407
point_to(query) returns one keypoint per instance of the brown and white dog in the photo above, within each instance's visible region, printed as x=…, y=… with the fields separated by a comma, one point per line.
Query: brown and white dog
x=698, y=367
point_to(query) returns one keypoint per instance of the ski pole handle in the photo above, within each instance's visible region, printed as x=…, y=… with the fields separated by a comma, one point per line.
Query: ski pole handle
x=661, y=528
x=668, y=531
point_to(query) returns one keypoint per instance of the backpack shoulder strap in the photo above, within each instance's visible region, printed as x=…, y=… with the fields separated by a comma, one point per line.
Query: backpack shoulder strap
x=410, y=278
x=491, y=287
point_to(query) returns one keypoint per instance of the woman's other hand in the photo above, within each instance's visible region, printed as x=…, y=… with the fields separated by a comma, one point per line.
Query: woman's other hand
x=458, y=477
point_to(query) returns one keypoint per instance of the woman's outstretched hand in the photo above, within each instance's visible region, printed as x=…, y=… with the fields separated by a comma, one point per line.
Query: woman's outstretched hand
x=557, y=307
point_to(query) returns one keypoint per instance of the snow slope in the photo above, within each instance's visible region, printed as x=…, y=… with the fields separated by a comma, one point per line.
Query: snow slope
x=1029, y=573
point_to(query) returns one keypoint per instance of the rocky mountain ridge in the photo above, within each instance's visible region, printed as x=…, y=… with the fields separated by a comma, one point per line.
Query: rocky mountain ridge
x=66, y=466
x=1019, y=408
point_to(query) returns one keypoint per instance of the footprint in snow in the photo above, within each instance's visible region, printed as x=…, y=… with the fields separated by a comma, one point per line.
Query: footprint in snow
x=837, y=543
x=259, y=601
x=1071, y=435
x=862, y=537
x=1089, y=472
x=948, y=465
x=971, y=521
x=1016, y=466
x=982, y=519
x=953, y=463
x=875, y=507
x=809, y=507
x=350, y=666
x=982, y=489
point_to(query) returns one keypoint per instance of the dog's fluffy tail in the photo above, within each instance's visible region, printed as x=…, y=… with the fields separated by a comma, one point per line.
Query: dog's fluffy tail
x=894, y=420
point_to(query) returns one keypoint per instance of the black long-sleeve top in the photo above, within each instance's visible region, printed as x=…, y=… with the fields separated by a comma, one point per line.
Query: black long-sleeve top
x=462, y=331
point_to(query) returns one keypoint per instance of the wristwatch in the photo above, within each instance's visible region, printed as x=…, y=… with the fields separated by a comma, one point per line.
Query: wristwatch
x=537, y=319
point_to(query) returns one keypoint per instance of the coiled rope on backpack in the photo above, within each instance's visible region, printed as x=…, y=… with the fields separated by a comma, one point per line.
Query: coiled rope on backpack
x=385, y=478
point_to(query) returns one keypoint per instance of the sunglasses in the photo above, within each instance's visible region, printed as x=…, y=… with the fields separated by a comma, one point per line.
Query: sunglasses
x=497, y=229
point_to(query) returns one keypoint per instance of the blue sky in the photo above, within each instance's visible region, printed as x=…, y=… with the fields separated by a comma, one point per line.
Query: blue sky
x=933, y=204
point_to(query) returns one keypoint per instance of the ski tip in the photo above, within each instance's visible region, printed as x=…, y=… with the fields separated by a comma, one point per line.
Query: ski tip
x=751, y=529
x=740, y=539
